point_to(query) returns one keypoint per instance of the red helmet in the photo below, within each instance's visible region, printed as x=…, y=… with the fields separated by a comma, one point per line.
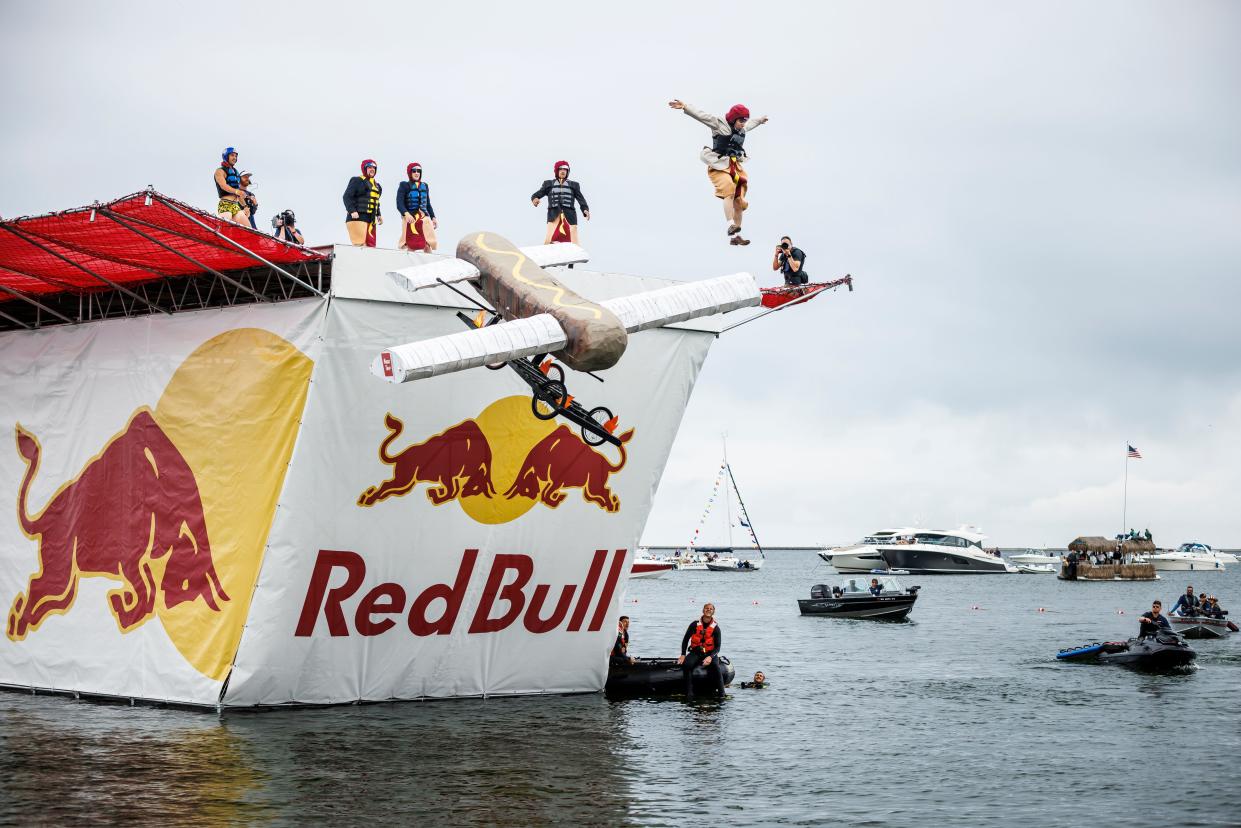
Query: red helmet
x=413, y=165
x=370, y=162
x=738, y=111
x=560, y=164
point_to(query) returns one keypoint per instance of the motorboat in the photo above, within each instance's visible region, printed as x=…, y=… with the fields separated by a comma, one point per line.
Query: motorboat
x=1160, y=651
x=1189, y=557
x=944, y=552
x=1037, y=569
x=1201, y=626
x=730, y=563
x=646, y=566
x=852, y=598
x=1192, y=557
x=864, y=556
x=661, y=677
x=1035, y=557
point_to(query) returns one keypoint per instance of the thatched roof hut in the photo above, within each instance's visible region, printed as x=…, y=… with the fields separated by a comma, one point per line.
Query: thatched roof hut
x=1134, y=546
x=1092, y=543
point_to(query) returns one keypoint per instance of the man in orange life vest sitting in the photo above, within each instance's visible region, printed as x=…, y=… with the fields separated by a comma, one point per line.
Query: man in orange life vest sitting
x=701, y=645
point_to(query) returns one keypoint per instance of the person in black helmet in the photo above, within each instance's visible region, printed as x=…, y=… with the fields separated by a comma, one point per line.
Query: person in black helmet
x=563, y=196
x=231, y=206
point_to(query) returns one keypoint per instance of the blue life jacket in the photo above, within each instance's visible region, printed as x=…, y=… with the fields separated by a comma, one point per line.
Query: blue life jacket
x=417, y=197
x=231, y=177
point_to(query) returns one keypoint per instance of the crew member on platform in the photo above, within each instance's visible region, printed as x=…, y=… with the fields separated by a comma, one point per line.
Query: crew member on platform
x=701, y=645
x=231, y=206
x=362, y=213
x=562, y=197
x=250, y=200
x=724, y=159
x=620, y=650
x=789, y=261
x=1152, y=622
x=413, y=200
x=1187, y=604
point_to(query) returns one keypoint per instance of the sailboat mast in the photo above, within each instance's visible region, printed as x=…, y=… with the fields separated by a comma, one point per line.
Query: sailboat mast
x=744, y=514
x=728, y=499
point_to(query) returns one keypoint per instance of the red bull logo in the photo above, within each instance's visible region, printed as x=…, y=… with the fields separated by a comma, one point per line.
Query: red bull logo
x=175, y=509
x=505, y=449
x=507, y=597
x=133, y=510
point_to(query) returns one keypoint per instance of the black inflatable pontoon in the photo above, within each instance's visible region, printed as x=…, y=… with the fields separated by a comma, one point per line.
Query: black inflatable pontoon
x=662, y=677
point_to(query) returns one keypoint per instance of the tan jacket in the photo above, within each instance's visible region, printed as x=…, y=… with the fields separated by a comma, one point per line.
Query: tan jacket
x=718, y=126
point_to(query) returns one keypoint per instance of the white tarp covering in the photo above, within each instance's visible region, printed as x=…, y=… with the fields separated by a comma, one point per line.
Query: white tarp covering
x=228, y=502
x=143, y=466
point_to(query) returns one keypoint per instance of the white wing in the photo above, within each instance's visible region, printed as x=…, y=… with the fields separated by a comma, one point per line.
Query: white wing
x=538, y=334
x=680, y=303
x=417, y=277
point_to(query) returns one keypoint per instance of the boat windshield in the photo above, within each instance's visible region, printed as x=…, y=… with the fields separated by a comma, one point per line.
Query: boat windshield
x=1195, y=547
x=857, y=586
x=942, y=540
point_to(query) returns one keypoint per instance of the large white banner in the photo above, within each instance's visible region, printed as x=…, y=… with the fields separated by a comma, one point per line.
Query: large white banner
x=437, y=539
x=143, y=466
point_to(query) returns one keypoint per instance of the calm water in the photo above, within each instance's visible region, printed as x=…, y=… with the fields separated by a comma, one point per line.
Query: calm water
x=961, y=717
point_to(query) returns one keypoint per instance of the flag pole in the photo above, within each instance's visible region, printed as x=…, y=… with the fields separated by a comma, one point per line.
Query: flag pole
x=1124, y=517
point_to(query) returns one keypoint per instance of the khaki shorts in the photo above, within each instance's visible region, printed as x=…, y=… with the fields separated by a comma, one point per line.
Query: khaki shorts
x=725, y=184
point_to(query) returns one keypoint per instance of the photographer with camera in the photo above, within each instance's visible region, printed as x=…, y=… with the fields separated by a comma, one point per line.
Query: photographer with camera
x=283, y=228
x=250, y=201
x=788, y=260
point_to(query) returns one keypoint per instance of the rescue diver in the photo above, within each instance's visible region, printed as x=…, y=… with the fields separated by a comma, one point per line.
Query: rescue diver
x=724, y=159
x=231, y=206
x=620, y=650
x=1152, y=622
x=701, y=645
x=1186, y=604
x=563, y=196
x=413, y=200
x=759, y=683
x=362, y=213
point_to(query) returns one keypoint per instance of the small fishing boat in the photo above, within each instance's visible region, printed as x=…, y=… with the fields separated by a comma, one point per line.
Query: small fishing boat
x=662, y=677
x=1034, y=557
x=1153, y=652
x=1037, y=569
x=1200, y=626
x=851, y=599
x=733, y=564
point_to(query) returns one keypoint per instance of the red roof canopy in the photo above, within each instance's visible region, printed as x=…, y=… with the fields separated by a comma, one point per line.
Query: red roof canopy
x=138, y=238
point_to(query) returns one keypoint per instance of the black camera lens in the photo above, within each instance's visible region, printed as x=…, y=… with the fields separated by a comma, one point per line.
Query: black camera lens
x=784, y=245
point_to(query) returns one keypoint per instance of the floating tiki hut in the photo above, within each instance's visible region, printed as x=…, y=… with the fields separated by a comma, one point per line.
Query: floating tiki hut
x=1083, y=570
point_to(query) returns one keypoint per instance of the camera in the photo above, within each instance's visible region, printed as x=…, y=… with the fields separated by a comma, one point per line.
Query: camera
x=281, y=219
x=784, y=245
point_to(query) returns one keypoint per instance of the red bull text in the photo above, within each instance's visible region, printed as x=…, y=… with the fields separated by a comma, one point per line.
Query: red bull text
x=507, y=596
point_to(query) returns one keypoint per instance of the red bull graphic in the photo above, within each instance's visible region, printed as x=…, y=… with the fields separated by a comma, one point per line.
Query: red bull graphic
x=457, y=462
x=506, y=597
x=562, y=461
x=535, y=461
x=134, y=509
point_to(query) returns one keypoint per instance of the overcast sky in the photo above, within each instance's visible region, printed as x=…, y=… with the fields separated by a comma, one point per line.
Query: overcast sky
x=1040, y=203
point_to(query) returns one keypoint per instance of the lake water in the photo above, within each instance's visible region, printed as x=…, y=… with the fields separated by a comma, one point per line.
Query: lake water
x=960, y=717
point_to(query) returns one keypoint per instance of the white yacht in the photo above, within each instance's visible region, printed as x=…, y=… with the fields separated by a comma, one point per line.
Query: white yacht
x=944, y=552
x=1035, y=557
x=864, y=555
x=1193, y=556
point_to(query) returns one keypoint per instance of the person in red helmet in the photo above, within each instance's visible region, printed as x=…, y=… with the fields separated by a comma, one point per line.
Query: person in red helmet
x=413, y=200
x=563, y=196
x=724, y=159
x=362, y=214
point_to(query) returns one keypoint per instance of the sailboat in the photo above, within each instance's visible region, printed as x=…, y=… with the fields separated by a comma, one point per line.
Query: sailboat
x=729, y=558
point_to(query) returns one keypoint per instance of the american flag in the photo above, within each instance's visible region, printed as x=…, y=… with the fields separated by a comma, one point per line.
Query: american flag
x=1134, y=453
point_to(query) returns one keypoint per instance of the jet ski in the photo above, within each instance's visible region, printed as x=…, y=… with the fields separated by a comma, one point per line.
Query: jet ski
x=1152, y=652
x=661, y=677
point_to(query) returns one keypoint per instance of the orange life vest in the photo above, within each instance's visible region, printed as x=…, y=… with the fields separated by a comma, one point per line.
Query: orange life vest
x=703, y=638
